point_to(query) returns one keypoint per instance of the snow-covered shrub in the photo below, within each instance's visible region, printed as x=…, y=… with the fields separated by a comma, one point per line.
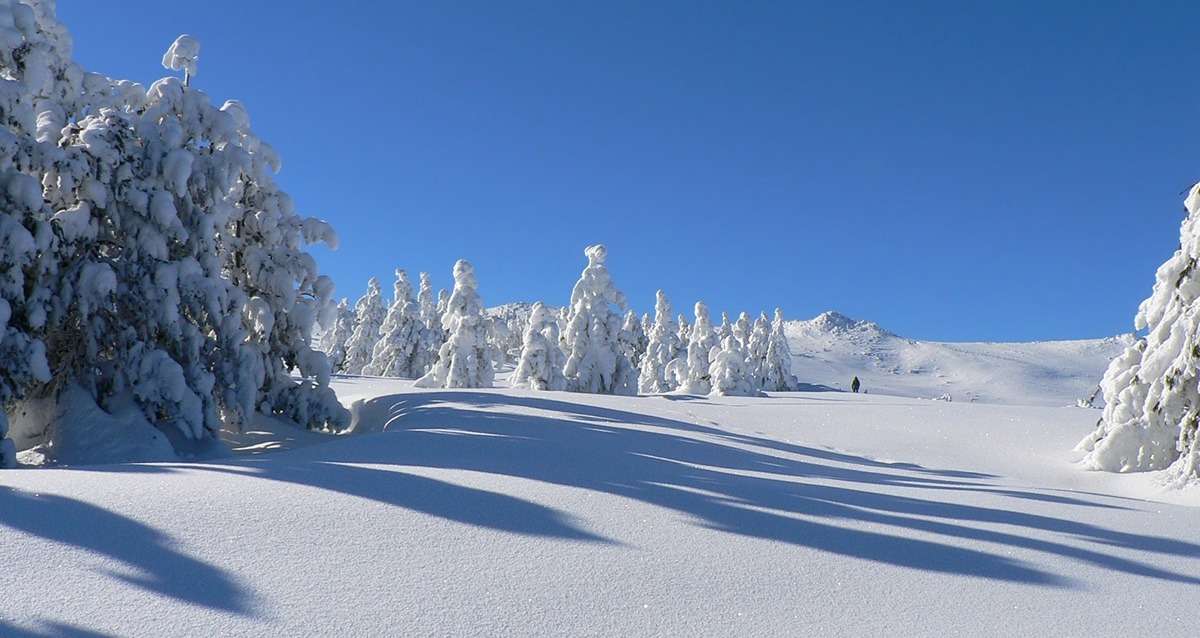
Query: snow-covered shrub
x=399, y=336
x=777, y=367
x=369, y=314
x=662, y=348
x=465, y=360
x=541, y=364
x=702, y=340
x=728, y=370
x=595, y=362
x=1152, y=390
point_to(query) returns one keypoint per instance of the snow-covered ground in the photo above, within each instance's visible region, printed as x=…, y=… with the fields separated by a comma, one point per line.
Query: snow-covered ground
x=832, y=348
x=505, y=512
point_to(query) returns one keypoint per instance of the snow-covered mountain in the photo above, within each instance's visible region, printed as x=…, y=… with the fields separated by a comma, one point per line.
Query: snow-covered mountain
x=832, y=348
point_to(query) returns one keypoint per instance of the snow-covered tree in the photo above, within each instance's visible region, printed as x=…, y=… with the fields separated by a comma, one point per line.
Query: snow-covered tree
x=725, y=329
x=702, y=340
x=399, y=336
x=742, y=329
x=431, y=334
x=443, y=300
x=541, y=364
x=160, y=265
x=660, y=351
x=369, y=314
x=631, y=339
x=777, y=367
x=595, y=361
x=728, y=370
x=1152, y=390
x=333, y=341
x=465, y=360
x=756, y=351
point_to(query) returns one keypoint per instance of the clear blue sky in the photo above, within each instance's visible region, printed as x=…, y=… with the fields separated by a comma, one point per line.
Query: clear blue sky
x=950, y=170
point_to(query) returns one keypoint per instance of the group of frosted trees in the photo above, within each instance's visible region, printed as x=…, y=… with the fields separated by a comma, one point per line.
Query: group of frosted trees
x=147, y=255
x=451, y=339
x=594, y=344
x=1152, y=390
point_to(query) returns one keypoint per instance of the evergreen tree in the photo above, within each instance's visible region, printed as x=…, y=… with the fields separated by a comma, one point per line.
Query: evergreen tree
x=632, y=339
x=777, y=370
x=595, y=362
x=661, y=350
x=369, y=316
x=1152, y=390
x=728, y=370
x=333, y=342
x=541, y=363
x=757, y=350
x=465, y=360
x=400, y=335
x=703, y=340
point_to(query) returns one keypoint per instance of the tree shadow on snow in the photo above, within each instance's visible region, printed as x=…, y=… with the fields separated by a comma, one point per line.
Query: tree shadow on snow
x=51, y=630
x=150, y=556
x=735, y=483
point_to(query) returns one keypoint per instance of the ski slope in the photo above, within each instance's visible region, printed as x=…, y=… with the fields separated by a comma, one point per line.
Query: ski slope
x=831, y=349
x=505, y=512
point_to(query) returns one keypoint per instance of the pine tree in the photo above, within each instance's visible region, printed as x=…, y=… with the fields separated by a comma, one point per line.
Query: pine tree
x=632, y=339
x=431, y=334
x=595, y=362
x=394, y=354
x=725, y=329
x=541, y=363
x=728, y=370
x=369, y=316
x=1152, y=390
x=742, y=330
x=333, y=342
x=777, y=369
x=756, y=351
x=703, y=340
x=465, y=360
x=661, y=350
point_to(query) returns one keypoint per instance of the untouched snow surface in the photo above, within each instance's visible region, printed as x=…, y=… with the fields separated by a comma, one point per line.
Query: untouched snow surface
x=507, y=512
x=832, y=348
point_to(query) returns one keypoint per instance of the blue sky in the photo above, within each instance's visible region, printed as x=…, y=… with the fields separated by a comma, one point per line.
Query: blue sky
x=951, y=170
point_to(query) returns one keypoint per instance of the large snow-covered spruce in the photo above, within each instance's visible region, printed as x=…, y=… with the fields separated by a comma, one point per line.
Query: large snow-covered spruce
x=541, y=363
x=596, y=362
x=1152, y=391
x=728, y=370
x=465, y=359
x=146, y=253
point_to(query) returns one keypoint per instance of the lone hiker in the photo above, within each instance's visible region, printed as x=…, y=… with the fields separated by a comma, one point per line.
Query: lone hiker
x=855, y=385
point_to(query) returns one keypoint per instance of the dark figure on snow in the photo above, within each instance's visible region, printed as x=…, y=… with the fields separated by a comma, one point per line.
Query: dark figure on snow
x=855, y=385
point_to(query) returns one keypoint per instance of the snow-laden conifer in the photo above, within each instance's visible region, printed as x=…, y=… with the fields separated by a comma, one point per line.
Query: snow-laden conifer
x=728, y=370
x=465, y=360
x=541, y=363
x=756, y=351
x=777, y=368
x=595, y=361
x=632, y=339
x=394, y=353
x=369, y=314
x=169, y=268
x=742, y=329
x=702, y=340
x=662, y=348
x=333, y=341
x=1152, y=390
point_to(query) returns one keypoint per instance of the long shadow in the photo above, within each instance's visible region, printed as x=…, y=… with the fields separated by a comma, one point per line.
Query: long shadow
x=589, y=449
x=51, y=630
x=736, y=483
x=157, y=565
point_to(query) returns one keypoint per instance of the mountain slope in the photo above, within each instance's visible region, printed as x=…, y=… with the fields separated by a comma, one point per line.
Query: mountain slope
x=832, y=348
